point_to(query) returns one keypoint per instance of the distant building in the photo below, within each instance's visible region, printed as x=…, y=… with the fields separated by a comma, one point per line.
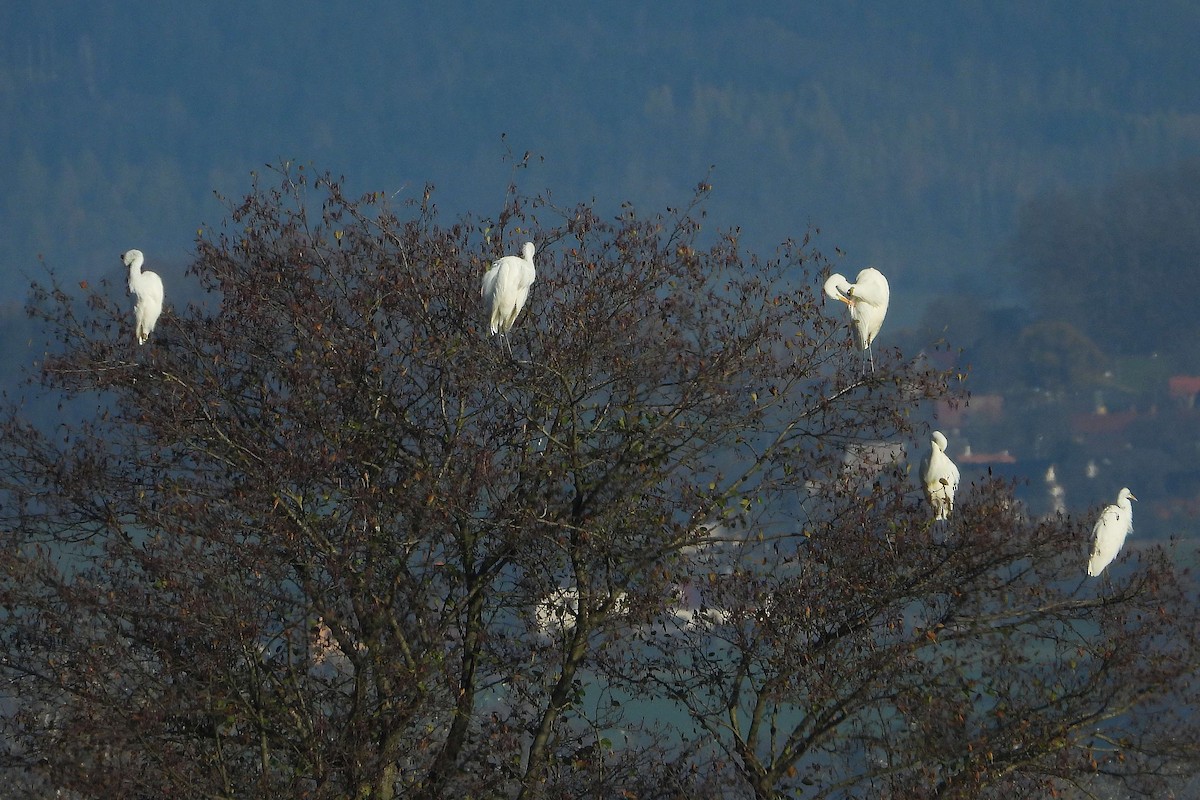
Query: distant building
x=1184, y=388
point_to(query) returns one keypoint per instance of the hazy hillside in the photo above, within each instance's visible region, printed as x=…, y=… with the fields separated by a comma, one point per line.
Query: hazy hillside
x=910, y=133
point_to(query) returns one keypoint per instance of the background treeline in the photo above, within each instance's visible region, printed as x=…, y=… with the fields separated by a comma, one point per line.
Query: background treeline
x=911, y=135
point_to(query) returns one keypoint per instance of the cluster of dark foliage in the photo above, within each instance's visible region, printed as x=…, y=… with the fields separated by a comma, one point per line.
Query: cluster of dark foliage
x=323, y=537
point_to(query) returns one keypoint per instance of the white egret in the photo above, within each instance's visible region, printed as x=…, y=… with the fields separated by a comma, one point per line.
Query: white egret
x=939, y=477
x=147, y=287
x=867, y=298
x=1115, y=523
x=506, y=287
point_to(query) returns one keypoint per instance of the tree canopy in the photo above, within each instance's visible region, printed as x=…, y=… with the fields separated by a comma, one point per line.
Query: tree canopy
x=323, y=537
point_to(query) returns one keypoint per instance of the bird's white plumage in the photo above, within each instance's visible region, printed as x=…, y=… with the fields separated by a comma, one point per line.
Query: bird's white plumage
x=867, y=298
x=506, y=287
x=1115, y=523
x=939, y=477
x=147, y=288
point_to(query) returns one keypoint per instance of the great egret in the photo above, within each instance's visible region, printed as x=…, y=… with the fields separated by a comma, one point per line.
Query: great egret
x=1115, y=523
x=147, y=287
x=506, y=287
x=939, y=476
x=867, y=298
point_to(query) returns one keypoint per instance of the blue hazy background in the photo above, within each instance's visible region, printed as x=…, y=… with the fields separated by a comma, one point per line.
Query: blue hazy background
x=1025, y=173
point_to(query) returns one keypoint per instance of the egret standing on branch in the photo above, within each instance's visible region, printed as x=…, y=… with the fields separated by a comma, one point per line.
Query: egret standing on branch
x=868, y=299
x=939, y=476
x=1115, y=523
x=147, y=287
x=506, y=287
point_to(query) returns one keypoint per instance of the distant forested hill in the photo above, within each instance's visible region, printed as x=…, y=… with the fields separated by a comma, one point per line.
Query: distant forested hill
x=911, y=133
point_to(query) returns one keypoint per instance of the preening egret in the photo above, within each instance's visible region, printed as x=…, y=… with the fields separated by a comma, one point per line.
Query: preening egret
x=1115, y=523
x=867, y=298
x=147, y=287
x=506, y=287
x=939, y=476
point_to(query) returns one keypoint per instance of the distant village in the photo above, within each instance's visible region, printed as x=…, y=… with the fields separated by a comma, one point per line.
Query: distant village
x=1069, y=452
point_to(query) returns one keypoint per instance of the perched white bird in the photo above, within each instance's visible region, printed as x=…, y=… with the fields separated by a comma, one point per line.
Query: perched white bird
x=867, y=298
x=506, y=287
x=147, y=287
x=1115, y=523
x=939, y=476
